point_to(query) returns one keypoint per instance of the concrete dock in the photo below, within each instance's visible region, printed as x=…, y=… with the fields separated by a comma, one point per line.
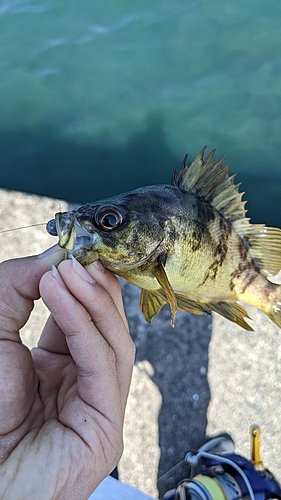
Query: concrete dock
x=200, y=378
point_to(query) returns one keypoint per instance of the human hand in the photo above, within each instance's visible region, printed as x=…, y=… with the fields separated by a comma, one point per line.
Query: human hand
x=62, y=404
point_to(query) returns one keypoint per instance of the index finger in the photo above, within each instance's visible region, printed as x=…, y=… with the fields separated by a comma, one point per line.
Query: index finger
x=110, y=283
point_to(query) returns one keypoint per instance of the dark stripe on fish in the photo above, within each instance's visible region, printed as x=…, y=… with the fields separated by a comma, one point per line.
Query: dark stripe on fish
x=205, y=215
x=246, y=271
x=220, y=251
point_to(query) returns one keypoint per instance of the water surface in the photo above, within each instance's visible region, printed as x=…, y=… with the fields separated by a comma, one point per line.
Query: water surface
x=98, y=98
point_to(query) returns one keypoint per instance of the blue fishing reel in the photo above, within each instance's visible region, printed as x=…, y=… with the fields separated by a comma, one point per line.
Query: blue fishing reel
x=217, y=472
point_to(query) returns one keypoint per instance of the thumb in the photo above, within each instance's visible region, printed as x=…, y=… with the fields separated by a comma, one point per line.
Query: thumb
x=19, y=280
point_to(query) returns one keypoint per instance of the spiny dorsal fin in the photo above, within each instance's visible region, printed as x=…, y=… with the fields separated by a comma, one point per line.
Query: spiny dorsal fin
x=212, y=182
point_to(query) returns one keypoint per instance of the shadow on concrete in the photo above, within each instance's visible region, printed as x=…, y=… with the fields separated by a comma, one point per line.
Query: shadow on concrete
x=179, y=357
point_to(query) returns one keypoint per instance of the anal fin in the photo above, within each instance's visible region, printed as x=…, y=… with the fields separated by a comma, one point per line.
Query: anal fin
x=232, y=311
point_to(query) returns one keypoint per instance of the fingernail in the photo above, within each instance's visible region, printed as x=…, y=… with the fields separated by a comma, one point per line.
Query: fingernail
x=81, y=271
x=99, y=265
x=57, y=276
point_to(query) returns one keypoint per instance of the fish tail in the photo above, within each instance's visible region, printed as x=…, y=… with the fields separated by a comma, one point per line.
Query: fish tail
x=274, y=311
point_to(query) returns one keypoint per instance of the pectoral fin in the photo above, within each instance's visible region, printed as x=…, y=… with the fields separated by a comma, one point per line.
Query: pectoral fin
x=232, y=311
x=161, y=276
x=150, y=304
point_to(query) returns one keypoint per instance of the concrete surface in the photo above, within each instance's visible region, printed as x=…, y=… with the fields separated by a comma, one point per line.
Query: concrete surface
x=202, y=377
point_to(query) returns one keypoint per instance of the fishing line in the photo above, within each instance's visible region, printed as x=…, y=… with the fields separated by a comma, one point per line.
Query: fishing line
x=22, y=227
x=30, y=225
x=168, y=473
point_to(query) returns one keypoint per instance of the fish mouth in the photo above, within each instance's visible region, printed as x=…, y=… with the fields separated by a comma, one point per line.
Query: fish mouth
x=73, y=237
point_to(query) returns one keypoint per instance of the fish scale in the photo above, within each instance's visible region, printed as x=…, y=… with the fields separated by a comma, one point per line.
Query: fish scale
x=189, y=244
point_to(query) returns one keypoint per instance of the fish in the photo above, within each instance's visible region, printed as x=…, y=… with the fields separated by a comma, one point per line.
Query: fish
x=188, y=244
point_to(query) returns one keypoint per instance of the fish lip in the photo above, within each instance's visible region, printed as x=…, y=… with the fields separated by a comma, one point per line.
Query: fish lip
x=72, y=235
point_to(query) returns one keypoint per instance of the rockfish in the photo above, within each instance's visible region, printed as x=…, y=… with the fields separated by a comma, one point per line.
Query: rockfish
x=188, y=243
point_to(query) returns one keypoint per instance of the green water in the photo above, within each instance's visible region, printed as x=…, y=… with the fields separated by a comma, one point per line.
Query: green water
x=98, y=98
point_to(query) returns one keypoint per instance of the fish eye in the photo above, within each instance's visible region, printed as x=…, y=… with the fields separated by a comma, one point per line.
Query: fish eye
x=108, y=218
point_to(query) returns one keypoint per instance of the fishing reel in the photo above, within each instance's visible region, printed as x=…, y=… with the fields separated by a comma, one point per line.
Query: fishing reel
x=217, y=472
